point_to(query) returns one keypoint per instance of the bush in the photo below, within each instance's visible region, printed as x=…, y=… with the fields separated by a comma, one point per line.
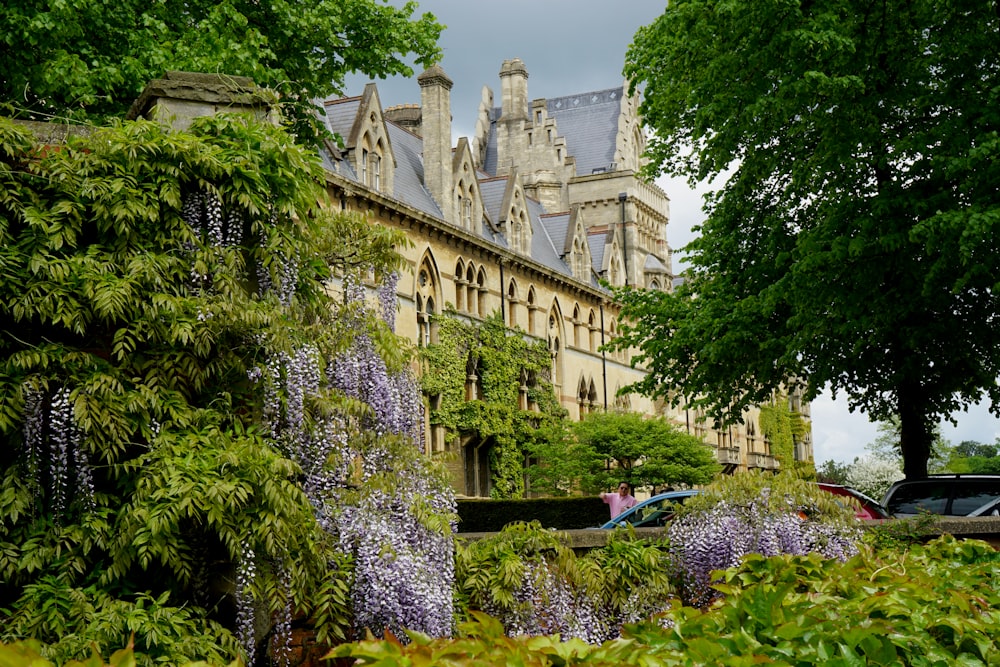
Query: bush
x=482, y=515
x=872, y=475
x=755, y=513
x=937, y=604
x=533, y=583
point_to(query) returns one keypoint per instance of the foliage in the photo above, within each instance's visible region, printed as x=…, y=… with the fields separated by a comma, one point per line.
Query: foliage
x=83, y=59
x=557, y=462
x=502, y=361
x=90, y=616
x=28, y=653
x=900, y=534
x=527, y=578
x=833, y=472
x=175, y=457
x=873, y=476
x=643, y=451
x=754, y=513
x=937, y=604
x=973, y=457
x=852, y=243
x=783, y=428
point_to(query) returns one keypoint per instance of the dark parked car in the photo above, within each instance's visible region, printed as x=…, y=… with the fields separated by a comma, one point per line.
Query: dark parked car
x=652, y=513
x=947, y=495
x=869, y=510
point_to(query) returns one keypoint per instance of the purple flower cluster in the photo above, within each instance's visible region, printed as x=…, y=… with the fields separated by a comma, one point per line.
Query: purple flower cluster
x=370, y=485
x=403, y=571
x=546, y=604
x=280, y=279
x=34, y=437
x=719, y=537
x=281, y=640
x=387, y=299
x=393, y=397
x=404, y=566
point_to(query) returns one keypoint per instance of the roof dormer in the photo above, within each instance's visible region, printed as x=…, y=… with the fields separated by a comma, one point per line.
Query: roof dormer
x=576, y=249
x=468, y=198
x=515, y=219
x=368, y=147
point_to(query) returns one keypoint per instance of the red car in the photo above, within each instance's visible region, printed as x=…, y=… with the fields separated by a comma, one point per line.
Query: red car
x=870, y=510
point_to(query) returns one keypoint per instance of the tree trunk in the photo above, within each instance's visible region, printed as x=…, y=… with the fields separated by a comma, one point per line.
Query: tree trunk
x=915, y=433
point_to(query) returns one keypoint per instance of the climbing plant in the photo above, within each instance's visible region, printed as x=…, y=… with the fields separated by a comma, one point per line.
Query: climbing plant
x=783, y=428
x=195, y=433
x=504, y=363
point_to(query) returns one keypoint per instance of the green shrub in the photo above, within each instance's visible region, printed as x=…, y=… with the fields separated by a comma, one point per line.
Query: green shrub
x=936, y=604
x=534, y=584
x=28, y=654
x=482, y=515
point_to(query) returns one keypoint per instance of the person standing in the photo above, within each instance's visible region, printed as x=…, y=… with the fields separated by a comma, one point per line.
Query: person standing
x=620, y=501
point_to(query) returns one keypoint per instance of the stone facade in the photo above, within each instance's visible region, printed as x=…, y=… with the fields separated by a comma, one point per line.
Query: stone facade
x=525, y=218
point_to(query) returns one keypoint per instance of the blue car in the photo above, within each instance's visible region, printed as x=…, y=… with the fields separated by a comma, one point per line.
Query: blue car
x=652, y=513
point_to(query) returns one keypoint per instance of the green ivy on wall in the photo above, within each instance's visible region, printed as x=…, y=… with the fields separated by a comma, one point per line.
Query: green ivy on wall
x=500, y=358
x=783, y=428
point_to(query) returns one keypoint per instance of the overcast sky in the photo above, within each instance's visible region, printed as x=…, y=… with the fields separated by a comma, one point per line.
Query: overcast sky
x=576, y=46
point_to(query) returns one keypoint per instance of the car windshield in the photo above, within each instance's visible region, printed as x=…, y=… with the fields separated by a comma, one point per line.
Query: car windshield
x=653, y=513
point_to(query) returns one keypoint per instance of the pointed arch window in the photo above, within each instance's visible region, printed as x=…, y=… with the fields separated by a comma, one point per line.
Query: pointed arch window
x=532, y=306
x=481, y=292
x=460, y=286
x=426, y=300
x=512, y=304
x=581, y=398
x=555, y=347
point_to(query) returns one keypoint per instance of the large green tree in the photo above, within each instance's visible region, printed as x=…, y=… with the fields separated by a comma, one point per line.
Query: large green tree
x=626, y=446
x=853, y=245
x=91, y=58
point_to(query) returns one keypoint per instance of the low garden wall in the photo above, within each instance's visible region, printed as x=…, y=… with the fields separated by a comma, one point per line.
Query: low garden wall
x=985, y=528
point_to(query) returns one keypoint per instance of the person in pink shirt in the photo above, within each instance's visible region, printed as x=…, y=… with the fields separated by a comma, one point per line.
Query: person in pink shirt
x=619, y=502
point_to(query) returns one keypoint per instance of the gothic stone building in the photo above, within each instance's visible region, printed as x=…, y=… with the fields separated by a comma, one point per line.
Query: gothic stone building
x=524, y=218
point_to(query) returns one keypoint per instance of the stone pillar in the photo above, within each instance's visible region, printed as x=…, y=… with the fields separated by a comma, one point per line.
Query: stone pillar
x=435, y=101
x=512, y=140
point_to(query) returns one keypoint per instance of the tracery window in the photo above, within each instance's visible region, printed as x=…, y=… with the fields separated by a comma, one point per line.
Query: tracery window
x=426, y=309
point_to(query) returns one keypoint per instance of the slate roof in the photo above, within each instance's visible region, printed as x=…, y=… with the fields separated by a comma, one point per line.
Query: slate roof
x=592, y=120
x=408, y=183
x=340, y=114
x=556, y=225
x=654, y=265
x=543, y=248
x=597, y=243
x=589, y=122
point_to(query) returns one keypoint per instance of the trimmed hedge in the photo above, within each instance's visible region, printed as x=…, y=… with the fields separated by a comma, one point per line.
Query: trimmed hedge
x=483, y=515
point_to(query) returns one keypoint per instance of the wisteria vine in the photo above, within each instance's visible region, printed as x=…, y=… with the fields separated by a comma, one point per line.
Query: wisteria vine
x=370, y=486
x=719, y=537
x=54, y=448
